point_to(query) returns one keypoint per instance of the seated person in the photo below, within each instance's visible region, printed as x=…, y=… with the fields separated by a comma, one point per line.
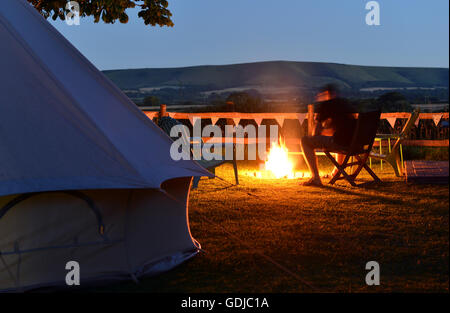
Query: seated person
x=335, y=125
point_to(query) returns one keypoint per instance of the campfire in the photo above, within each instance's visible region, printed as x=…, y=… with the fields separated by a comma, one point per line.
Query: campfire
x=278, y=164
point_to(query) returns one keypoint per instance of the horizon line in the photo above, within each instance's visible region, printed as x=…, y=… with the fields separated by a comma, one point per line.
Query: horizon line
x=271, y=61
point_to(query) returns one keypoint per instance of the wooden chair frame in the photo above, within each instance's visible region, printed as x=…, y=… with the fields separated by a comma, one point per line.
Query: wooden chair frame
x=209, y=165
x=395, y=154
x=360, y=153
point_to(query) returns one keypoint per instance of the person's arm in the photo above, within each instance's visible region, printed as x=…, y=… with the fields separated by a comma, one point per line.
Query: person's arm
x=327, y=127
x=327, y=123
x=317, y=129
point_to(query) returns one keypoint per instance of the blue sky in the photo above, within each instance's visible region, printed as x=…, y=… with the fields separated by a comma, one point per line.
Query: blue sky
x=412, y=33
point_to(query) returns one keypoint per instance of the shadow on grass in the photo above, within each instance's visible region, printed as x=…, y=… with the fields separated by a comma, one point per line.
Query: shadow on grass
x=367, y=197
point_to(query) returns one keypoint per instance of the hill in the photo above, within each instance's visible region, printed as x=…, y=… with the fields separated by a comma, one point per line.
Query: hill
x=280, y=73
x=275, y=77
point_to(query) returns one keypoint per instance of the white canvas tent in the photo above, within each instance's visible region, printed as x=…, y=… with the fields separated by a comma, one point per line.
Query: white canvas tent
x=84, y=175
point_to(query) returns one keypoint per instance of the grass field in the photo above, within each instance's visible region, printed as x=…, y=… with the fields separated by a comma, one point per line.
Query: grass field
x=276, y=236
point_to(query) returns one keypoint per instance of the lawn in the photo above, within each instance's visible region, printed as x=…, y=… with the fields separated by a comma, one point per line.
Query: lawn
x=277, y=236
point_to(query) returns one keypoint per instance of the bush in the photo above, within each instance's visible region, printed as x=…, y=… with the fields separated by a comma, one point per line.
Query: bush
x=425, y=153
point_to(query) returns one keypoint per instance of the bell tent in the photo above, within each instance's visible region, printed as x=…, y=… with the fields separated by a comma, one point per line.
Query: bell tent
x=85, y=176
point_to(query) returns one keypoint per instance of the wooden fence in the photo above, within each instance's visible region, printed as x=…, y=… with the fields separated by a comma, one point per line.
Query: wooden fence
x=395, y=120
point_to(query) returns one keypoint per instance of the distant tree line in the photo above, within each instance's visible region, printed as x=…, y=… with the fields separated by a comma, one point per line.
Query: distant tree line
x=388, y=102
x=252, y=101
x=246, y=102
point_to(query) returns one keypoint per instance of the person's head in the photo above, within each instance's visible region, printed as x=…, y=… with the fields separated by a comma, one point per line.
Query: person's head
x=326, y=93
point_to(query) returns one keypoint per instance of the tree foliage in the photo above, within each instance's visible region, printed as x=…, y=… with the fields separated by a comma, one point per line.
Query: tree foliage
x=388, y=102
x=394, y=102
x=153, y=12
x=246, y=101
x=150, y=101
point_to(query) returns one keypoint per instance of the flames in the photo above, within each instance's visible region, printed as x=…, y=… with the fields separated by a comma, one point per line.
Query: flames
x=278, y=165
x=278, y=162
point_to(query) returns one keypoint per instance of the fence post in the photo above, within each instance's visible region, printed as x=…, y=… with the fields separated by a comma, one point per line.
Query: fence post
x=230, y=108
x=162, y=110
x=310, y=119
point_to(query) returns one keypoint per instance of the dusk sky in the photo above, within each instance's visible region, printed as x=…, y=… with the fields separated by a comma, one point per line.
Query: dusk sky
x=210, y=32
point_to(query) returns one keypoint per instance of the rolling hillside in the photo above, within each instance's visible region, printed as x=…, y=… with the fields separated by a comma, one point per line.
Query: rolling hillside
x=279, y=74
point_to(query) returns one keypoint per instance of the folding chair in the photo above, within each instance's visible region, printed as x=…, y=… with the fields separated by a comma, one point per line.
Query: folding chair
x=360, y=147
x=166, y=123
x=211, y=165
x=395, y=154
